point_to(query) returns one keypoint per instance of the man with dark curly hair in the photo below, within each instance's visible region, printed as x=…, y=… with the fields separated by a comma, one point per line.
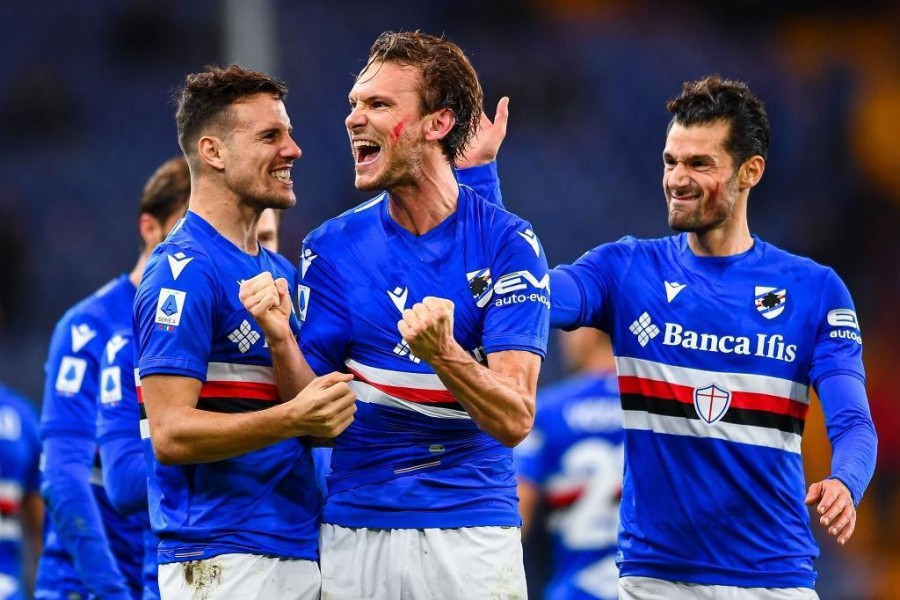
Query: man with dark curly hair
x=719, y=337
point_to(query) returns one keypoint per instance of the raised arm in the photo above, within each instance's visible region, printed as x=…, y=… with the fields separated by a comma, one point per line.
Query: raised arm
x=477, y=168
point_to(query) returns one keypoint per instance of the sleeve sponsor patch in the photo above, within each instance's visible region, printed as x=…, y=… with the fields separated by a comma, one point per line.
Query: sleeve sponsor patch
x=843, y=317
x=71, y=375
x=111, y=385
x=302, y=301
x=169, y=307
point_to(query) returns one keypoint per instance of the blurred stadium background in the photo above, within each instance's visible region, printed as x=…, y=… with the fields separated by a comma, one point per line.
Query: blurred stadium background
x=85, y=117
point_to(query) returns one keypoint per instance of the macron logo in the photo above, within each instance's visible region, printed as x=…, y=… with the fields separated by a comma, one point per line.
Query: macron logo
x=673, y=288
x=305, y=260
x=528, y=236
x=116, y=343
x=81, y=335
x=398, y=297
x=177, y=263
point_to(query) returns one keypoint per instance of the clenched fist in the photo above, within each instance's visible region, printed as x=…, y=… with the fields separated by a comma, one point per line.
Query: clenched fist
x=428, y=327
x=269, y=301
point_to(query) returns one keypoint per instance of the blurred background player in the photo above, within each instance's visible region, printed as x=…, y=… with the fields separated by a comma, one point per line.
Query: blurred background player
x=21, y=508
x=90, y=550
x=124, y=457
x=570, y=470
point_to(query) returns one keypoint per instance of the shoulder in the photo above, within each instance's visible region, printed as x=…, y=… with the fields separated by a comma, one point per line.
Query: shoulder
x=333, y=231
x=84, y=326
x=788, y=261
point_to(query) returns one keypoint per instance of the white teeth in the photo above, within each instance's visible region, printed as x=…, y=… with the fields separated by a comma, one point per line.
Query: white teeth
x=282, y=175
x=364, y=144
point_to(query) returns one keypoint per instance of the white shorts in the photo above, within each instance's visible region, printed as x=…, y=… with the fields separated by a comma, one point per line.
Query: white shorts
x=244, y=576
x=422, y=564
x=648, y=588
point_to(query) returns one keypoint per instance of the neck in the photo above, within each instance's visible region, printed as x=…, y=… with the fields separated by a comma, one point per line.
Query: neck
x=230, y=217
x=422, y=204
x=725, y=239
x=138, y=271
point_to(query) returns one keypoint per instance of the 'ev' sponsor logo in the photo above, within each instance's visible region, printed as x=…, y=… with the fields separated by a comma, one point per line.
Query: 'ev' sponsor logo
x=520, y=280
x=845, y=318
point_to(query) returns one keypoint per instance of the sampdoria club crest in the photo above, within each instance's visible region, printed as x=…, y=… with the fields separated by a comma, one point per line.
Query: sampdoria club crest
x=770, y=301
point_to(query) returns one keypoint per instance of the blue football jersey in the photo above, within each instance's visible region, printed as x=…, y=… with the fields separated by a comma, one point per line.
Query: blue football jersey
x=99, y=560
x=413, y=457
x=20, y=450
x=190, y=322
x=122, y=451
x=574, y=455
x=715, y=357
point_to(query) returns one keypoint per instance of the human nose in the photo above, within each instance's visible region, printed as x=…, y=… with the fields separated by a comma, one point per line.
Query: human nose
x=292, y=149
x=356, y=118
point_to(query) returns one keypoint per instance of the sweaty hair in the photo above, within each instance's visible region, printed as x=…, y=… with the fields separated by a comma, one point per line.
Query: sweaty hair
x=448, y=80
x=206, y=98
x=714, y=99
x=167, y=191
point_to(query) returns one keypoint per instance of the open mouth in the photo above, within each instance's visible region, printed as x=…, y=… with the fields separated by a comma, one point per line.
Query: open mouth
x=366, y=152
x=282, y=175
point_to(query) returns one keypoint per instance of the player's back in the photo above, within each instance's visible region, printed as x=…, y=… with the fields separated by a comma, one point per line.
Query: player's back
x=68, y=419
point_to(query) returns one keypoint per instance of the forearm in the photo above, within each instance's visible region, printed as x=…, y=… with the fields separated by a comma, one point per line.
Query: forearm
x=33, y=524
x=188, y=435
x=496, y=402
x=76, y=518
x=851, y=431
x=292, y=372
x=124, y=473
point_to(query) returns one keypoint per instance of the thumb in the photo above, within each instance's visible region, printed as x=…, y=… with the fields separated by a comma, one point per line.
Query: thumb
x=330, y=379
x=502, y=116
x=815, y=492
x=282, y=286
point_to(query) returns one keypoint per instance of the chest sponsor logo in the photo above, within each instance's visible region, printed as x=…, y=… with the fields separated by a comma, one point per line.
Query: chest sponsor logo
x=306, y=260
x=71, y=375
x=531, y=239
x=673, y=289
x=111, y=385
x=644, y=328
x=398, y=296
x=169, y=308
x=513, y=287
x=481, y=285
x=303, y=292
x=711, y=403
x=115, y=343
x=177, y=263
x=244, y=336
x=81, y=335
x=769, y=301
x=762, y=345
